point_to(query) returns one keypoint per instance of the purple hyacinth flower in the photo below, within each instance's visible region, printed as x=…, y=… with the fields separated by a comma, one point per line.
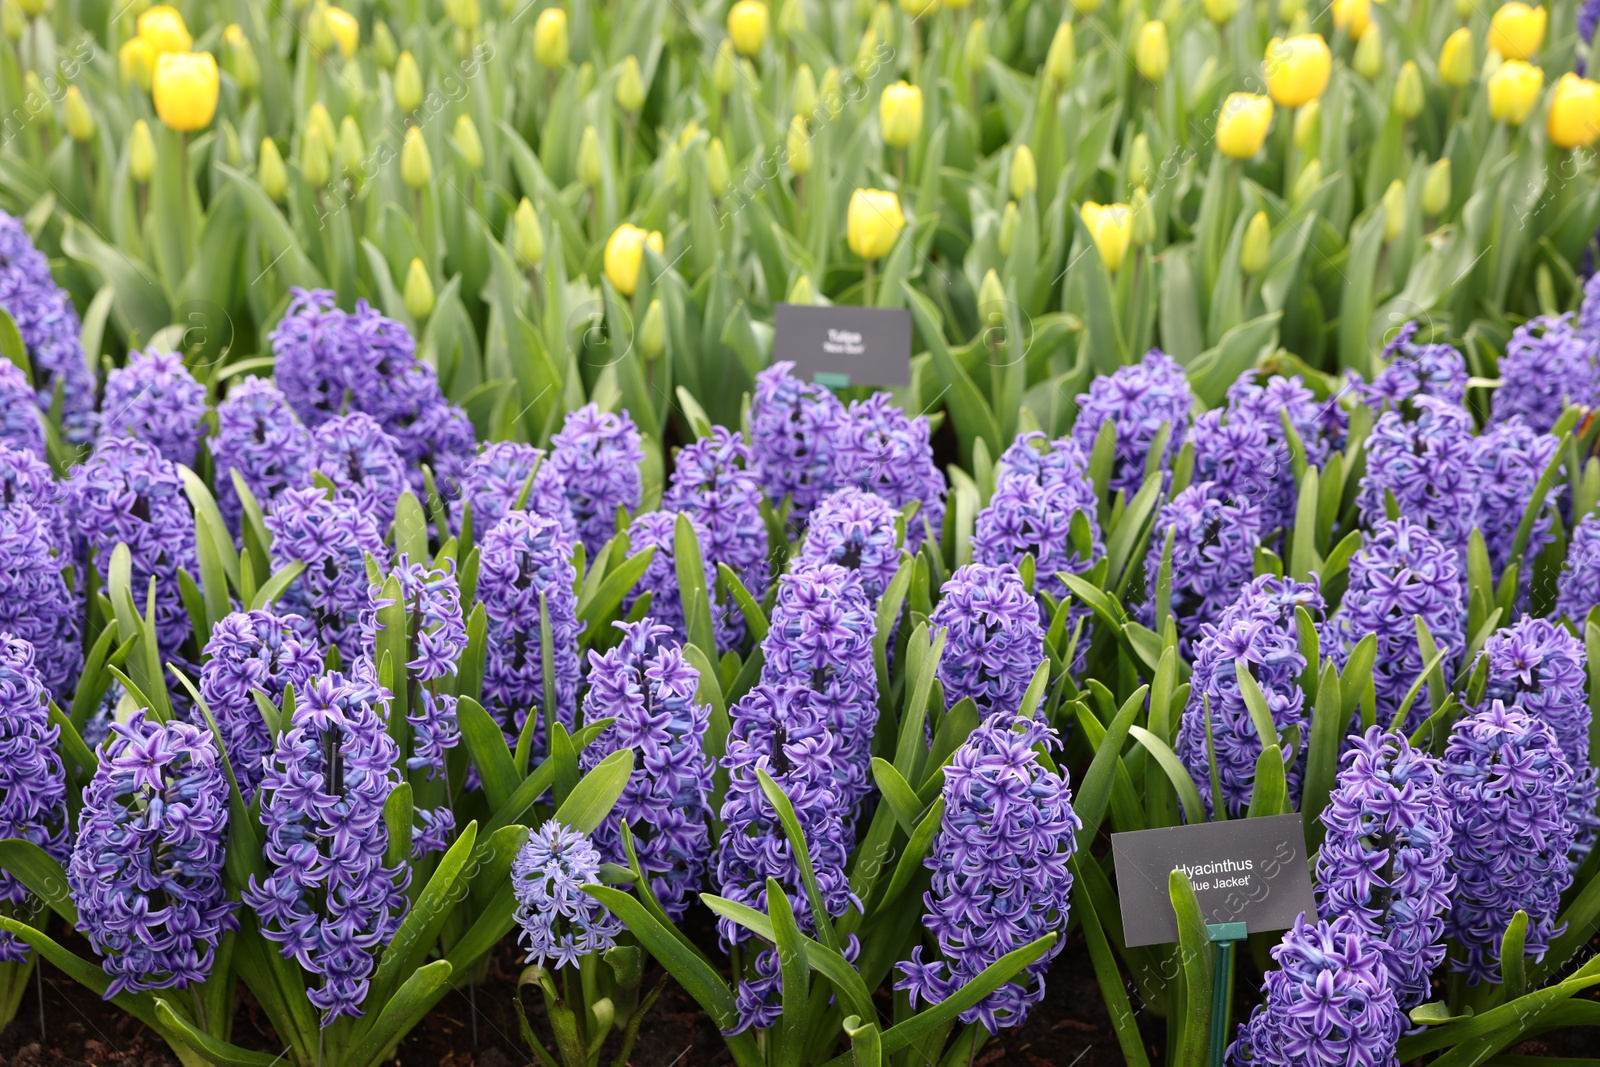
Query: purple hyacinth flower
x=33, y=783
x=795, y=429
x=250, y=652
x=1330, y=1003
x=1000, y=874
x=1385, y=862
x=127, y=493
x=1508, y=785
x=821, y=640
x=146, y=868
x=332, y=537
x=1578, y=588
x=561, y=924
x=1546, y=366
x=20, y=423
x=35, y=603
x=1401, y=571
x=1588, y=19
x=50, y=331
x=1541, y=668
x=1040, y=487
x=857, y=530
x=879, y=450
x=327, y=900
x=494, y=481
x=658, y=530
x=993, y=642
x=1510, y=457
x=1214, y=538
x=524, y=560
x=784, y=731
x=1589, y=307
x=155, y=399
x=1245, y=459
x=1259, y=629
x=597, y=455
x=1137, y=400
x=714, y=481
x=260, y=437
x=647, y=688
x=362, y=461
x=1427, y=465
x=1412, y=370
x=27, y=479
x=1323, y=425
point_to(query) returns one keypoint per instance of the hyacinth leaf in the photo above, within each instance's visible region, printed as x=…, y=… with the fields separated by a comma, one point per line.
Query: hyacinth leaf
x=215, y=1050
x=487, y=744
x=410, y=528
x=1144, y=642
x=1499, y=1026
x=755, y=620
x=889, y=610
x=1220, y=812
x=13, y=348
x=1579, y=920
x=420, y=929
x=1157, y=452
x=144, y=670
x=1328, y=720
x=1303, y=557
x=41, y=873
x=1357, y=673
x=691, y=570
x=897, y=792
x=829, y=963
x=275, y=586
x=89, y=975
x=1159, y=798
x=469, y=668
x=1404, y=710
x=1339, y=557
x=1194, y=809
x=1541, y=490
x=958, y=722
x=964, y=503
x=1513, y=958
x=796, y=972
x=1102, y=457
x=95, y=679
x=1194, y=950
x=594, y=612
x=592, y=799
x=1256, y=702
x=1094, y=793
x=401, y=1013
x=866, y=1042
x=1163, y=591
x=970, y=413
x=1033, y=696
x=1433, y=655
x=647, y=897
x=909, y=748
x=910, y=862
x=534, y=785
x=801, y=850
x=1123, y=1020
x=257, y=538
x=1125, y=541
x=1269, y=792
x=695, y=415
x=1107, y=609
x=1591, y=644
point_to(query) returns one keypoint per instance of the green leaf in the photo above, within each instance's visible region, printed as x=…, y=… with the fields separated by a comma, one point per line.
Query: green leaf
x=490, y=754
x=897, y=793
x=599, y=608
x=410, y=528
x=1194, y=808
x=1095, y=790
x=401, y=1013
x=1194, y=948
x=1269, y=792
x=214, y=1050
x=992, y=977
x=1255, y=701
x=597, y=793
x=41, y=873
x=755, y=620
x=1513, y=957
x=796, y=975
x=691, y=567
x=420, y=929
x=802, y=855
x=910, y=862
x=1112, y=989
x=276, y=586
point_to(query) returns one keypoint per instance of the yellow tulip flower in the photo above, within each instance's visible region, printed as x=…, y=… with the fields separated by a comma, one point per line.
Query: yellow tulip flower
x=1517, y=30
x=1352, y=16
x=900, y=114
x=185, y=88
x=1111, y=226
x=1242, y=125
x=1574, y=112
x=1151, y=52
x=1298, y=68
x=1455, y=59
x=747, y=26
x=1513, y=91
x=162, y=29
x=873, y=223
x=550, y=38
x=345, y=29
x=136, y=62
x=624, y=254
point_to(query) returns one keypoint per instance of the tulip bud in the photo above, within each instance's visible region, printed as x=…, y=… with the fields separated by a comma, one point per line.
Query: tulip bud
x=384, y=48
x=1111, y=226
x=316, y=164
x=270, y=171
x=991, y=300
x=184, y=90
x=318, y=30
x=1465, y=8
x=791, y=18
x=630, y=86
x=416, y=164
x=1059, y=60
x=1436, y=189
x=467, y=143
x=802, y=292
x=873, y=223
x=747, y=26
x=1289, y=10
x=317, y=118
x=976, y=48
x=466, y=14
x=1242, y=125
x=1144, y=217
x=1306, y=184
x=900, y=114
x=831, y=95
x=1574, y=112
x=527, y=239
x=716, y=167
x=1297, y=69
x=798, y=146
x=1141, y=168
x=34, y=99
x=1368, y=60
x=34, y=8
x=1513, y=91
x=882, y=22
x=163, y=31
x=79, y=122
x=550, y=38
x=1257, y=245
x=14, y=24
x=1455, y=59
x=1010, y=219
x=1024, y=174
x=1221, y=12
x=1307, y=125
x=625, y=252
x=1408, y=98
x=344, y=29
x=1086, y=7
x=407, y=83
x=585, y=78
x=867, y=54
x=1352, y=16
x=352, y=150
x=418, y=291
x=241, y=55
x=589, y=169
x=724, y=69
x=1516, y=31
x=1394, y=210
x=141, y=152
x=919, y=8
x=672, y=164
x=1151, y=52
x=803, y=96
x=653, y=331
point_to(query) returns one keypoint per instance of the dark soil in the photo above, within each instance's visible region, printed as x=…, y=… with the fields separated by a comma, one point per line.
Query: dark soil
x=1070, y=1029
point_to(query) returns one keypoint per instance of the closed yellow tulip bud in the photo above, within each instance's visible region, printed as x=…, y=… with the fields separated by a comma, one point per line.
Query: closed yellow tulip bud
x=136, y=63
x=1516, y=31
x=352, y=149
x=1024, y=173
x=1455, y=59
x=185, y=88
x=791, y=18
x=79, y=121
x=1297, y=69
x=900, y=114
x=1111, y=226
x=975, y=50
x=747, y=26
x=991, y=299
x=316, y=163
x=550, y=38
x=803, y=96
x=1144, y=218
x=1058, y=61
x=1408, y=97
x=1242, y=125
x=34, y=8
x=1368, y=58
x=1513, y=91
x=802, y=292
x=345, y=29
x=1436, y=189
x=1151, y=52
x=919, y=8
x=407, y=83
x=1086, y=7
x=873, y=223
x=1307, y=125
x=1306, y=183
x=624, y=254
x=1010, y=219
x=162, y=30
x=416, y=164
x=466, y=14
x=141, y=152
x=318, y=30
x=384, y=48
x=630, y=86
x=317, y=118
x=1221, y=12
x=419, y=291
x=1141, y=167
x=270, y=171
x=468, y=143
x=527, y=238
x=724, y=69
x=829, y=92
x=1353, y=17
x=1574, y=112
x=589, y=168
x=13, y=23
x=798, y=146
x=867, y=54
x=653, y=331
x=1257, y=245
x=717, y=175
x=1394, y=210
